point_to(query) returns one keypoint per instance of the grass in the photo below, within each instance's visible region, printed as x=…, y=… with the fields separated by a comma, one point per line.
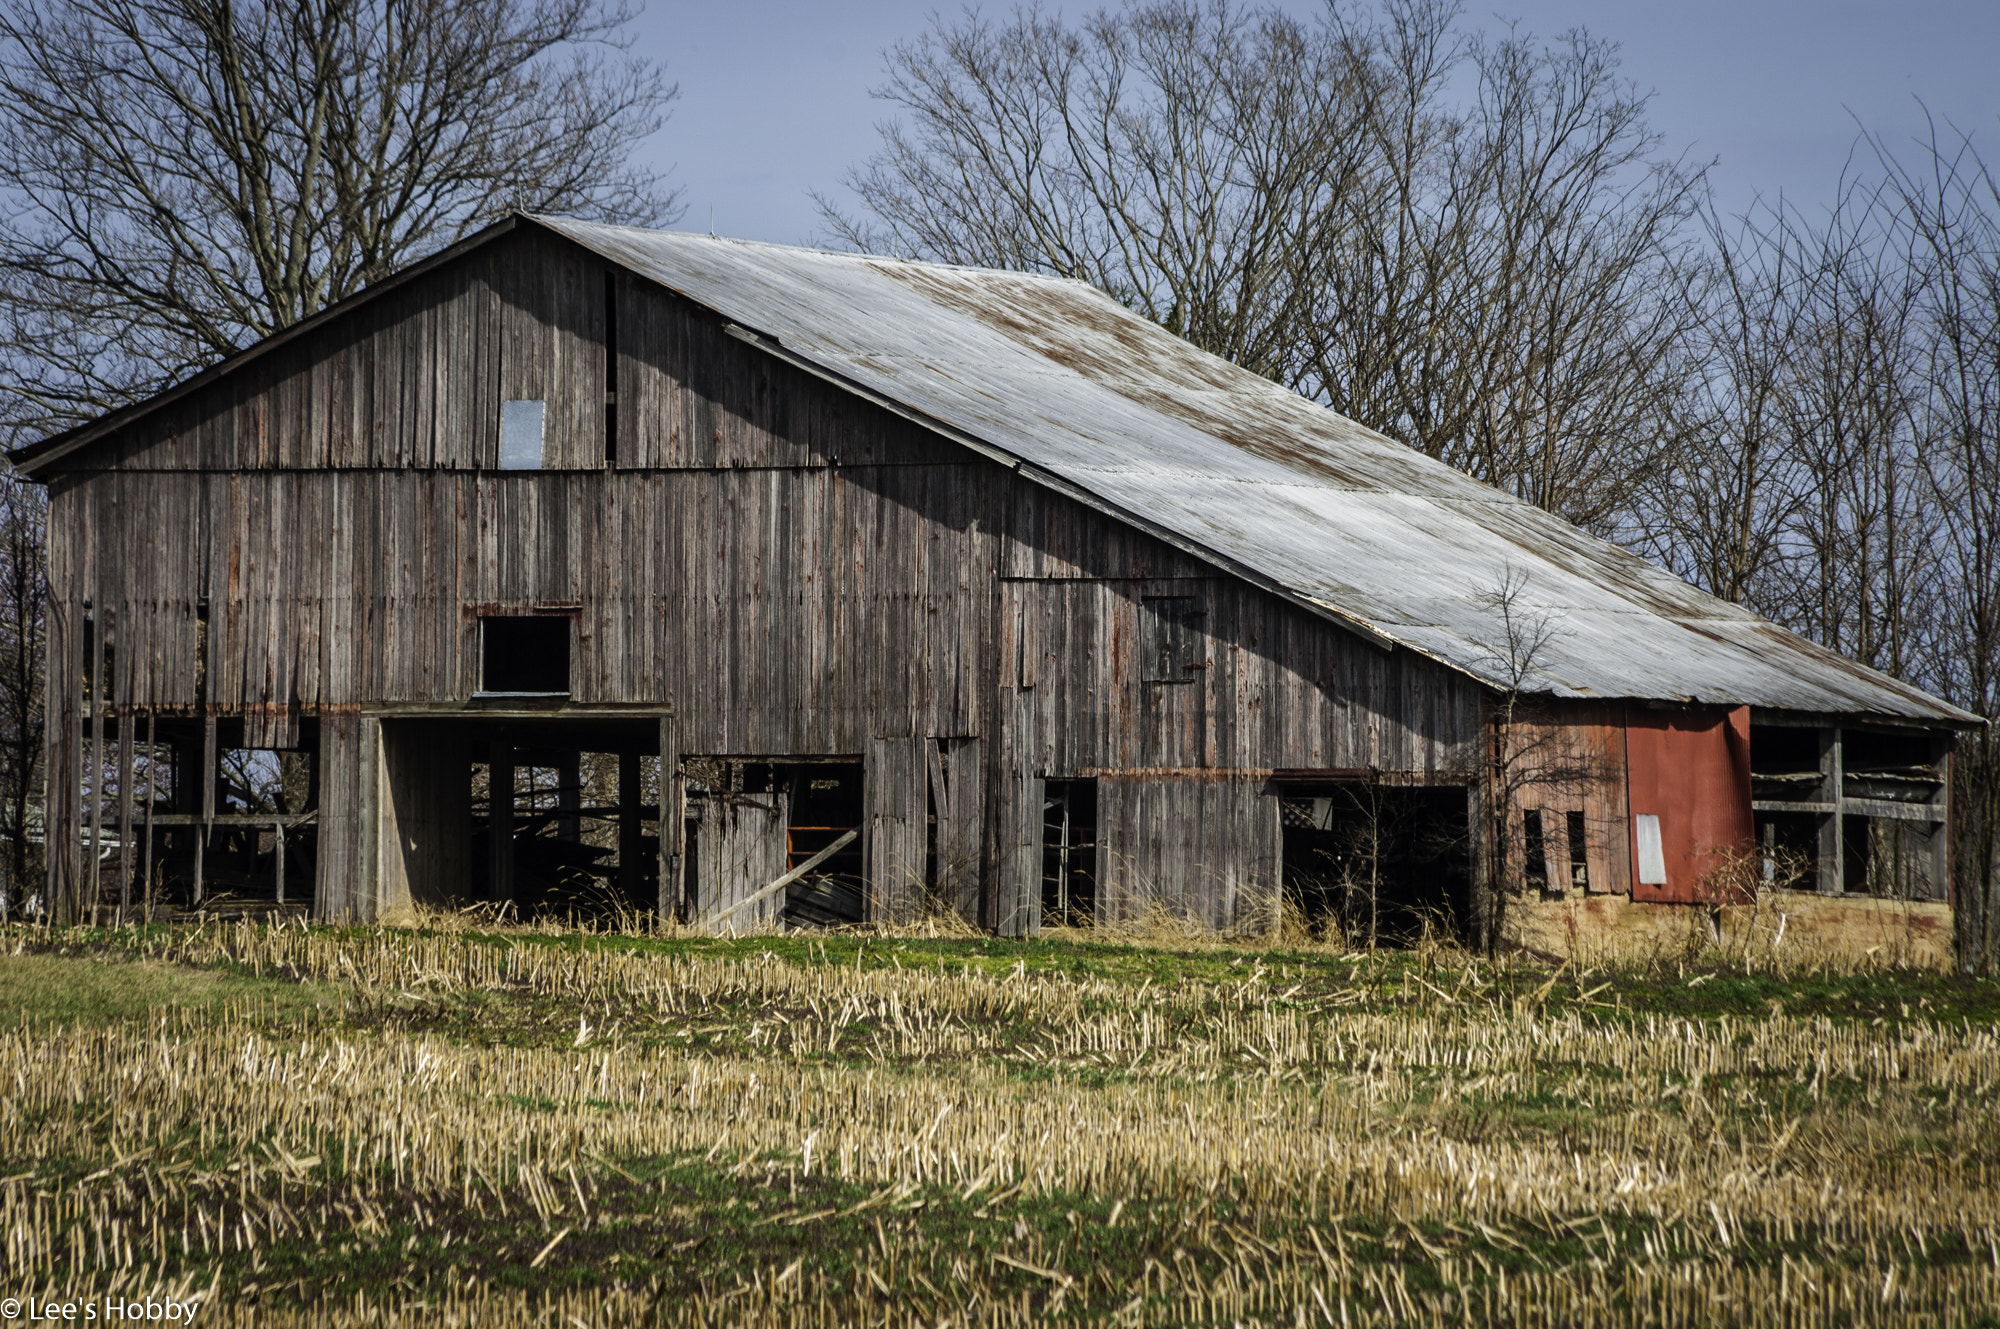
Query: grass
x=474, y=1125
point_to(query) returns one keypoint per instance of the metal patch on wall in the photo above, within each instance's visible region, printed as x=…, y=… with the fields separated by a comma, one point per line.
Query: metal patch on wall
x=521, y=435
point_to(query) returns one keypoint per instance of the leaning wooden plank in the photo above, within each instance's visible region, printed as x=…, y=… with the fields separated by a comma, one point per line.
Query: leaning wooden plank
x=790, y=877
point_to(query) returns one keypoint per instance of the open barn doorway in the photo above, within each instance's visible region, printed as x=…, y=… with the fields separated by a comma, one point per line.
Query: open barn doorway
x=1372, y=862
x=217, y=814
x=534, y=816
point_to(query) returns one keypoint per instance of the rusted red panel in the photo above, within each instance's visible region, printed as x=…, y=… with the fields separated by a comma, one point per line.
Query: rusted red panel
x=1691, y=769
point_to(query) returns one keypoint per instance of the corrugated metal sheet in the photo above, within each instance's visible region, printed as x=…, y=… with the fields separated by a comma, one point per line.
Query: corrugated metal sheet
x=1062, y=377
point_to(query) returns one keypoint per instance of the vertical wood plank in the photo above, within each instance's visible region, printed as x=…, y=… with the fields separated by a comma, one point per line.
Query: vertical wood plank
x=896, y=795
x=335, y=896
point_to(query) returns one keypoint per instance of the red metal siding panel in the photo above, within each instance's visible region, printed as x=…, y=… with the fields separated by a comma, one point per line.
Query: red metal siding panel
x=1691, y=769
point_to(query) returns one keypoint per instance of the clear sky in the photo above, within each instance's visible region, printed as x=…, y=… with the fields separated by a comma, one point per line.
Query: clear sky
x=774, y=93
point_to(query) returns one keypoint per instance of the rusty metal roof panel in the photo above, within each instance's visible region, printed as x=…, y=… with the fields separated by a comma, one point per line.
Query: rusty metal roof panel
x=1062, y=377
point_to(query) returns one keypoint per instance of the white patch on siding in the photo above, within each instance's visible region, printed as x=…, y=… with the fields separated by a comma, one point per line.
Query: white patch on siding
x=521, y=435
x=1652, y=858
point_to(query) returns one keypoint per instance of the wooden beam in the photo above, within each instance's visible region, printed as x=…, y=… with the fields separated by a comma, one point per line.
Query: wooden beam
x=673, y=819
x=941, y=821
x=206, y=775
x=124, y=817
x=1889, y=808
x=95, y=875
x=839, y=844
x=152, y=797
x=500, y=821
x=1940, y=865
x=62, y=768
x=628, y=828
x=569, y=797
x=1832, y=874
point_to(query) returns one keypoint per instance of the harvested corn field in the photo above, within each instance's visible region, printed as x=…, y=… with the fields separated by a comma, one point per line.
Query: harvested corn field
x=317, y=1126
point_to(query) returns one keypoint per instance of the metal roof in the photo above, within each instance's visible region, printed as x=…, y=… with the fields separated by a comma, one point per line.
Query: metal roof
x=1104, y=404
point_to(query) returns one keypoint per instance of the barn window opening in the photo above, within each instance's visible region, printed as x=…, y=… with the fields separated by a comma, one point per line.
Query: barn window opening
x=1534, y=850
x=521, y=425
x=1069, y=853
x=1170, y=638
x=524, y=654
x=1579, y=852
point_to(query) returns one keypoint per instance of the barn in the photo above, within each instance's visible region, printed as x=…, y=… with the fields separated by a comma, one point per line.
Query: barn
x=583, y=566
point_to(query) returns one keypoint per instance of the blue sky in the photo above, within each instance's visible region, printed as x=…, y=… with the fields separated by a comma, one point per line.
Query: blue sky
x=774, y=93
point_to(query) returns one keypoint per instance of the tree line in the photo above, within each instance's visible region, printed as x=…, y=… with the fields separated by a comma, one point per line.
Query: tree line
x=1470, y=240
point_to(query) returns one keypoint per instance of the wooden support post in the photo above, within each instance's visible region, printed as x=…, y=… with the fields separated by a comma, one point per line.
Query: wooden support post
x=62, y=768
x=673, y=820
x=97, y=690
x=569, y=797
x=500, y=821
x=124, y=816
x=1832, y=842
x=279, y=870
x=206, y=775
x=628, y=828
x=152, y=797
x=942, y=886
x=1940, y=824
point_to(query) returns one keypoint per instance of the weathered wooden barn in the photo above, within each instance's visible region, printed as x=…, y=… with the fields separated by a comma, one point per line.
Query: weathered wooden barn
x=902, y=585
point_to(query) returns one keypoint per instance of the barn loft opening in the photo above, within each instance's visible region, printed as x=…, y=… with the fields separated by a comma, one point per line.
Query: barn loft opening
x=524, y=655
x=1377, y=862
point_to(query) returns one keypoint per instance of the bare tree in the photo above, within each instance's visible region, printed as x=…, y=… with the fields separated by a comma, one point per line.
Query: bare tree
x=183, y=176
x=1505, y=287
x=1728, y=491
x=1948, y=216
x=23, y=601
x=1495, y=279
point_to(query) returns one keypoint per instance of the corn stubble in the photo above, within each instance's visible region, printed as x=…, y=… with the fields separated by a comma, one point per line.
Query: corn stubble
x=1461, y=1160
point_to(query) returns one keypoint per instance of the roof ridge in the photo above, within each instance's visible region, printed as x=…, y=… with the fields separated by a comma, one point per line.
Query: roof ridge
x=859, y=255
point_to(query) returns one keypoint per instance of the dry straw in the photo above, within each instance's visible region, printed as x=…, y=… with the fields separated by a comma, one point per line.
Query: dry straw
x=212, y=1138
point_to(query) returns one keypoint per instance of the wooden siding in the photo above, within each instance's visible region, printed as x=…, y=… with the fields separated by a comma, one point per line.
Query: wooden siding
x=740, y=848
x=1200, y=849
x=1571, y=758
x=787, y=568
x=413, y=380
